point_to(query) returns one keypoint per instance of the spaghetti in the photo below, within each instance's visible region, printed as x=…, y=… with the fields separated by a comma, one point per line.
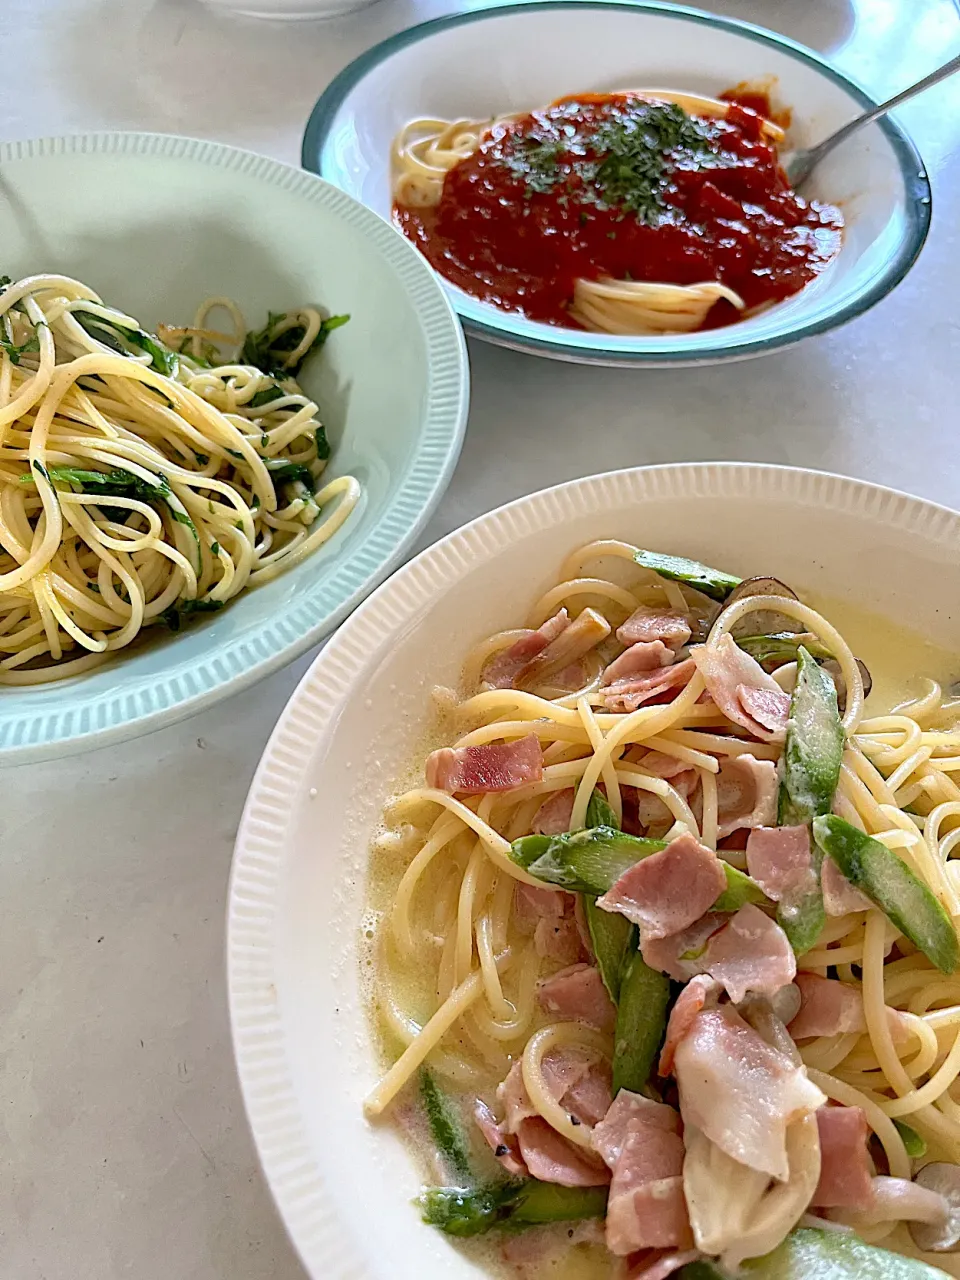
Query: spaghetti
x=146, y=479
x=463, y=971
x=642, y=212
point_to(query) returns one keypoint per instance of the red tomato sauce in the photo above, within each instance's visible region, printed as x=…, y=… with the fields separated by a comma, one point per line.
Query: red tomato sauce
x=615, y=186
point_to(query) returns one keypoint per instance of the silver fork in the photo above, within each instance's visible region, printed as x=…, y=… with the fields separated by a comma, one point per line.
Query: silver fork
x=801, y=164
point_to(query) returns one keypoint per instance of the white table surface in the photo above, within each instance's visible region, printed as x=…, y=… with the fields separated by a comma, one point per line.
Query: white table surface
x=124, y=1149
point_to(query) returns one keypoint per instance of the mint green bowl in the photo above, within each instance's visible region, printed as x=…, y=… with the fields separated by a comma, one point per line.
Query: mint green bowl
x=155, y=224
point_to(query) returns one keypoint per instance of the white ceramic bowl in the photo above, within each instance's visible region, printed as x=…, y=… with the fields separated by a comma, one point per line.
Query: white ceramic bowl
x=515, y=57
x=351, y=731
x=155, y=224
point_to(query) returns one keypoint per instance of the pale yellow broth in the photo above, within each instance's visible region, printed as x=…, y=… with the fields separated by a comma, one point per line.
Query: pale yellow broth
x=900, y=663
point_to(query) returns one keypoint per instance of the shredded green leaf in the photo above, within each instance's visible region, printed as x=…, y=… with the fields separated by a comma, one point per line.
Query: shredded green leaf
x=269, y=351
x=266, y=396
x=183, y=610
x=120, y=338
x=283, y=472
x=15, y=352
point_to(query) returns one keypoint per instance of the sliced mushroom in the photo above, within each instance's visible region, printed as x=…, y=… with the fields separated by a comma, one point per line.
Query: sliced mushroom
x=763, y=620
x=833, y=667
x=943, y=1234
x=702, y=613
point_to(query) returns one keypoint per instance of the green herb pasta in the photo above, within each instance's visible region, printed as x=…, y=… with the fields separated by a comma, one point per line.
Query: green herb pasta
x=146, y=478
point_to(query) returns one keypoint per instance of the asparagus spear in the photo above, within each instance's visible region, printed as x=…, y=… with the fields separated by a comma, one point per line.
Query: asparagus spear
x=599, y=813
x=528, y=849
x=592, y=861
x=712, y=582
x=613, y=936
x=811, y=769
x=915, y=1145
x=889, y=882
x=814, y=746
x=445, y=1127
x=740, y=889
x=811, y=1254
x=641, y=1024
x=515, y=1203
x=587, y=861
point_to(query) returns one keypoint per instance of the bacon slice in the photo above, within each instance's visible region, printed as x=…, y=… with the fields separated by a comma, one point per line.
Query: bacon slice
x=473, y=771
x=846, y=1174
x=639, y=660
x=746, y=794
x=590, y=1098
x=660, y=1264
x=503, y=1145
x=840, y=897
x=767, y=707
x=582, y=1088
x=640, y=1141
x=553, y=816
x=669, y=890
x=680, y=956
x=531, y=903
x=663, y=766
x=551, y=1158
x=650, y=811
x=751, y=953
x=780, y=861
x=501, y=671
x=631, y=1113
x=558, y=940
x=696, y=995
x=735, y=682
x=647, y=625
x=578, y=994
x=646, y=1208
x=827, y=1008
x=579, y=1084
x=562, y=1070
x=628, y=695
x=741, y=1092
x=551, y=916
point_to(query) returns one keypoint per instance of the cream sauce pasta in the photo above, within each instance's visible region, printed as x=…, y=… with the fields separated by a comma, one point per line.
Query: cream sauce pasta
x=147, y=478
x=665, y=940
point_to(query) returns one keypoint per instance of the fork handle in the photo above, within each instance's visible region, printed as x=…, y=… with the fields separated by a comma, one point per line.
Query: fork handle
x=858, y=122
